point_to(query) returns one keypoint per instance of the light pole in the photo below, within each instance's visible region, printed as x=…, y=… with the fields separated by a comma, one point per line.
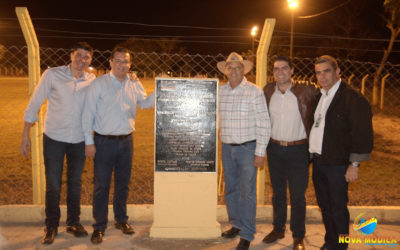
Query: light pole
x=253, y=33
x=293, y=4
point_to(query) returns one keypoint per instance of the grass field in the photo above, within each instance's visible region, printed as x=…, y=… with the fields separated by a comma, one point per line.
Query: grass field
x=378, y=182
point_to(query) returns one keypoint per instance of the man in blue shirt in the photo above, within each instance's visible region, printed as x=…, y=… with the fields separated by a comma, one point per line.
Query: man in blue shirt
x=110, y=112
x=65, y=89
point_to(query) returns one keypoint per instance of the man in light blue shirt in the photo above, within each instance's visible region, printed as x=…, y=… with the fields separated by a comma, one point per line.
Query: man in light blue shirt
x=110, y=113
x=65, y=89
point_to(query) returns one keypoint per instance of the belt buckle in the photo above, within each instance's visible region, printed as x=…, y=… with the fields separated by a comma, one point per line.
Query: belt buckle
x=284, y=143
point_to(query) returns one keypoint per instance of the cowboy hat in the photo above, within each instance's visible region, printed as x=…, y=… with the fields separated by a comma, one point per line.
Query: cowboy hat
x=235, y=57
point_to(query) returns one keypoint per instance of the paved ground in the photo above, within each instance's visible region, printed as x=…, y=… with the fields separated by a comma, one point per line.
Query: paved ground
x=17, y=236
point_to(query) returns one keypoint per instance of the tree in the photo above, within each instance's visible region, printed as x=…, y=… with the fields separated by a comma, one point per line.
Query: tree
x=349, y=21
x=392, y=19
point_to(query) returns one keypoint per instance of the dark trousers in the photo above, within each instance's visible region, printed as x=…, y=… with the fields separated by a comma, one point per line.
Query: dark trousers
x=331, y=192
x=289, y=166
x=111, y=154
x=54, y=152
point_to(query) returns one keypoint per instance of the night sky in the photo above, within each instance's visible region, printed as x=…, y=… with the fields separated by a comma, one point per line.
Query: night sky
x=228, y=23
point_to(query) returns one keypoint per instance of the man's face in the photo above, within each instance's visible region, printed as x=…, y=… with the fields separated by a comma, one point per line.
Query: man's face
x=282, y=72
x=327, y=76
x=234, y=71
x=80, y=59
x=120, y=64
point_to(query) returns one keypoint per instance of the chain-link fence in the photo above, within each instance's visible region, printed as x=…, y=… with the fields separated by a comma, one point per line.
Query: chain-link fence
x=15, y=177
x=13, y=62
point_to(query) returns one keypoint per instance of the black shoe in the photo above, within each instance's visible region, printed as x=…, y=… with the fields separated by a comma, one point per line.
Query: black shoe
x=97, y=236
x=125, y=228
x=231, y=233
x=49, y=235
x=243, y=244
x=298, y=244
x=273, y=236
x=77, y=230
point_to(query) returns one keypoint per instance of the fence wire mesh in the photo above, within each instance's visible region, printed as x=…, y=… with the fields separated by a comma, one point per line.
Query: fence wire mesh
x=15, y=172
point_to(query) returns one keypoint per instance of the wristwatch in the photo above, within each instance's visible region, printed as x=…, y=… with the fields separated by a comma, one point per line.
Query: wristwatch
x=355, y=164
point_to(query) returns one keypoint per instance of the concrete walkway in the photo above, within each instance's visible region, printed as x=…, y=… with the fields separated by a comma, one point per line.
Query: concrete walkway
x=28, y=236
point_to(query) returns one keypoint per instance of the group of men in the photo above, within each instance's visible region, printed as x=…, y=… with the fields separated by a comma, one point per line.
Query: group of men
x=293, y=123
x=92, y=117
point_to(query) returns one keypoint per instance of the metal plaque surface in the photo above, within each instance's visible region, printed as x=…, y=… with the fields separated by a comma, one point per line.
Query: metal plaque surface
x=186, y=125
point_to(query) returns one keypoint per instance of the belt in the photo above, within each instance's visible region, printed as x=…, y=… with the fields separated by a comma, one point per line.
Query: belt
x=241, y=144
x=289, y=143
x=112, y=136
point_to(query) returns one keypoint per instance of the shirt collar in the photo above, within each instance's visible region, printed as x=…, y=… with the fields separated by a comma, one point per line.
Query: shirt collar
x=116, y=79
x=332, y=90
x=287, y=90
x=241, y=84
x=69, y=71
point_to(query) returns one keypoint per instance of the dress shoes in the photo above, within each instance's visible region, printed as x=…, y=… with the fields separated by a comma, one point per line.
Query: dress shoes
x=77, y=230
x=231, y=233
x=97, y=236
x=243, y=244
x=49, y=235
x=298, y=244
x=273, y=236
x=125, y=228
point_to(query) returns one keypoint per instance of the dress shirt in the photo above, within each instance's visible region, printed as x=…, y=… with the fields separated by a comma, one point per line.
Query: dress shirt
x=285, y=115
x=66, y=97
x=243, y=115
x=111, y=106
x=317, y=130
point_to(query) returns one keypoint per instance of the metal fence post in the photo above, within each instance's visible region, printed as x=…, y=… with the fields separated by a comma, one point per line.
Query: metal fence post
x=350, y=78
x=261, y=80
x=363, y=83
x=383, y=89
x=38, y=179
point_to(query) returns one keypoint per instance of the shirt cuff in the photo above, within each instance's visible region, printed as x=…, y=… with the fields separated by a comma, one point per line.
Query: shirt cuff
x=260, y=151
x=89, y=140
x=359, y=157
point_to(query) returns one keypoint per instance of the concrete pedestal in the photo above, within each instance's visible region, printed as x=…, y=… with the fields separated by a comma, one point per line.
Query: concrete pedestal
x=185, y=205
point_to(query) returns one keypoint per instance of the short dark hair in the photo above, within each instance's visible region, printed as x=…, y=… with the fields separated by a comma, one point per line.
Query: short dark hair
x=82, y=45
x=282, y=58
x=121, y=50
x=327, y=58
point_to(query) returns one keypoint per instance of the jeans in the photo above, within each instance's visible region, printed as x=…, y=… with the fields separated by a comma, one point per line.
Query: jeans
x=54, y=152
x=240, y=187
x=331, y=192
x=289, y=166
x=111, y=154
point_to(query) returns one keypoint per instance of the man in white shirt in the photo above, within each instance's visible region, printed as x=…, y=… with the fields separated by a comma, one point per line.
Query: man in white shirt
x=65, y=89
x=290, y=107
x=244, y=130
x=110, y=113
x=341, y=137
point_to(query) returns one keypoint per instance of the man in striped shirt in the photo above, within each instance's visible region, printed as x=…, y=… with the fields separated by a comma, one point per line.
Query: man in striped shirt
x=245, y=130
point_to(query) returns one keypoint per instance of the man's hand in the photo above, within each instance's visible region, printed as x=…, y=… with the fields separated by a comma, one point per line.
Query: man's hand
x=351, y=173
x=258, y=161
x=25, y=147
x=133, y=76
x=90, y=150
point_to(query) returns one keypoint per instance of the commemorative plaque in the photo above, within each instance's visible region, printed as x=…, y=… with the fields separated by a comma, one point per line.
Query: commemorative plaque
x=186, y=125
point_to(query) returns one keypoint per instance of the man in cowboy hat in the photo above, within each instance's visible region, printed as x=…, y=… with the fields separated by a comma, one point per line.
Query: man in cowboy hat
x=245, y=130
